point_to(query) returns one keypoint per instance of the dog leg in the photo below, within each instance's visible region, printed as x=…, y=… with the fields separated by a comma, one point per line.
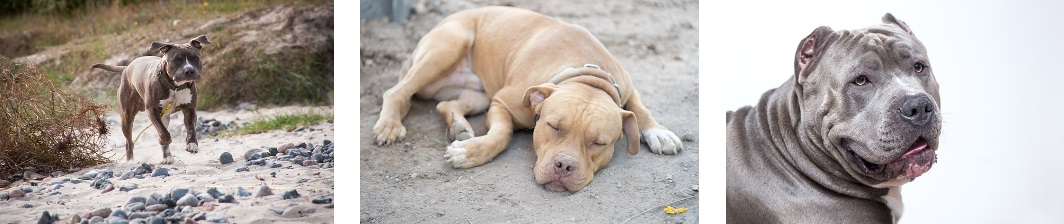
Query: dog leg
x=156, y=117
x=127, y=117
x=190, y=131
x=454, y=112
x=658, y=138
x=438, y=52
x=479, y=150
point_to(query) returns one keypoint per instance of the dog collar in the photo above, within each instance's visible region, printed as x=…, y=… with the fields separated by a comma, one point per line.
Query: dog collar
x=565, y=75
x=170, y=84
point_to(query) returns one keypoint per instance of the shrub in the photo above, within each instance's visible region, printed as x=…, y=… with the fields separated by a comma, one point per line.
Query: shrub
x=44, y=126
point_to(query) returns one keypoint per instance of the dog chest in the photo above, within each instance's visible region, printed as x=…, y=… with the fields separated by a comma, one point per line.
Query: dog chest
x=178, y=98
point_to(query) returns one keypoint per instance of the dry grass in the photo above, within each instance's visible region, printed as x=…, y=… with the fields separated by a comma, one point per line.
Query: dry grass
x=45, y=127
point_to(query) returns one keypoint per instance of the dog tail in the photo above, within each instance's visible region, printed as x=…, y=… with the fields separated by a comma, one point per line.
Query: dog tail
x=109, y=67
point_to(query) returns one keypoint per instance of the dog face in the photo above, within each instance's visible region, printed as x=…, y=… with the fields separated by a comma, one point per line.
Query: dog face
x=182, y=60
x=576, y=133
x=873, y=99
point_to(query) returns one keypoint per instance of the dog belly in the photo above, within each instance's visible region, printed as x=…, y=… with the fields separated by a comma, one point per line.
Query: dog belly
x=450, y=86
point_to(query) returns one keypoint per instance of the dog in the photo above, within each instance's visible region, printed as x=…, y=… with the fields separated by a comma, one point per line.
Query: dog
x=525, y=70
x=859, y=118
x=162, y=86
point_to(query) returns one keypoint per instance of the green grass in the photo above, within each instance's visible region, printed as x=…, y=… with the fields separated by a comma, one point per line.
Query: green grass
x=286, y=122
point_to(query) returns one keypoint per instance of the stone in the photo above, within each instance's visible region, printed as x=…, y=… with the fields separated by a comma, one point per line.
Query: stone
x=96, y=219
x=117, y=220
x=57, y=186
x=169, y=202
x=75, y=219
x=200, y=217
x=17, y=193
x=45, y=218
x=4, y=195
x=298, y=211
x=242, y=193
x=225, y=158
x=119, y=213
x=295, y=152
x=226, y=199
x=90, y=175
x=318, y=157
x=263, y=191
x=260, y=162
x=275, y=165
x=290, y=194
x=205, y=197
x=126, y=175
x=161, y=172
x=216, y=218
x=322, y=200
x=128, y=187
x=178, y=192
x=310, y=163
x=156, y=207
x=140, y=215
x=105, y=174
x=102, y=212
x=252, y=154
x=156, y=220
x=242, y=169
x=327, y=142
x=27, y=206
x=214, y=192
x=264, y=154
x=283, y=149
x=108, y=188
x=272, y=150
x=136, y=199
x=135, y=206
x=298, y=161
x=144, y=168
x=188, y=200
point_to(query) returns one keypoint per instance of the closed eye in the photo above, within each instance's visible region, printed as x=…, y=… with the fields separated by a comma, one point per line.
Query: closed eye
x=554, y=127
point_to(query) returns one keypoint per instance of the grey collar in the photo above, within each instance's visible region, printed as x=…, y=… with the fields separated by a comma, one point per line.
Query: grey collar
x=170, y=84
x=565, y=75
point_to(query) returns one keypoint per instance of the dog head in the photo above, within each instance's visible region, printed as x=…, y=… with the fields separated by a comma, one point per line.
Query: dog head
x=578, y=126
x=873, y=100
x=182, y=61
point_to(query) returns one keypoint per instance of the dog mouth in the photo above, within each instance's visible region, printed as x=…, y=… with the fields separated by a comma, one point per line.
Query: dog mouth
x=916, y=161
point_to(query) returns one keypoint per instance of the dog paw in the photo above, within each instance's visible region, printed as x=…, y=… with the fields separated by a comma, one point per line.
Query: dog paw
x=169, y=160
x=388, y=132
x=192, y=148
x=661, y=141
x=460, y=131
x=456, y=156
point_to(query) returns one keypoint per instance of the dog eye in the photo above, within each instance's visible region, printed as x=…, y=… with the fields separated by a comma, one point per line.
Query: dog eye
x=597, y=143
x=554, y=127
x=919, y=67
x=860, y=80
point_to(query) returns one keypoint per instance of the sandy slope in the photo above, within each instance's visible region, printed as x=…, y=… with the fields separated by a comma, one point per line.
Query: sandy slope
x=409, y=182
x=198, y=172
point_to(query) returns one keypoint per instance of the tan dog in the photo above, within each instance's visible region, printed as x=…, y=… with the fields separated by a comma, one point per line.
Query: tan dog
x=538, y=72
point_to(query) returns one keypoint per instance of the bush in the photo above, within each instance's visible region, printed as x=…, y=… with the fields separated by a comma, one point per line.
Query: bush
x=44, y=126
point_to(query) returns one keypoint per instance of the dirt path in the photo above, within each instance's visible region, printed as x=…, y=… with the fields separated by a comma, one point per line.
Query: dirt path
x=409, y=182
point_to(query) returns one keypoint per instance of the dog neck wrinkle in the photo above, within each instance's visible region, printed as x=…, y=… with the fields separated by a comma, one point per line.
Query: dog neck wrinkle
x=782, y=105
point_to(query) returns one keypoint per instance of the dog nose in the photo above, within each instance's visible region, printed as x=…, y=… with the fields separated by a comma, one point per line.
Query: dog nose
x=564, y=165
x=917, y=109
x=190, y=72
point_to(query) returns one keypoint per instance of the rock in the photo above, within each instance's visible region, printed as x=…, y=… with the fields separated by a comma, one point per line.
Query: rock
x=30, y=175
x=75, y=181
x=156, y=207
x=168, y=212
x=298, y=161
x=260, y=162
x=57, y=186
x=27, y=206
x=322, y=200
x=327, y=142
x=135, y=206
x=108, y=188
x=215, y=218
x=310, y=163
x=105, y=174
x=242, y=193
x=688, y=136
x=161, y=172
x=694, y=187
x=263, y=191
x=272, y=151
x=117, y=220
x=17, y=193
x=300, y=128
x=248, y=156
x=227, y=199
x=144, y=168
x=178, y=192
x=96, y=219
x=290, y=194
x=200, y=217
x=100, y=184
x=298, y=211
x=246, y=106
x=242, y=169
x=128, y=187
x=4, y=183
x=205, y=197
x=75, y=219
x=275, y=165
x=214, y=192
x=188, y=200
x=4, y=195
x=169, y=202
x=156, y=220
x=90, y=175
x=294, y=152
x=102, y=212
x=318, y=157
x=136, y=199
x=45, y=218
x=283, y=149
x=140, y=215
x=119, y=213
x=126, y=175
x=226, y=158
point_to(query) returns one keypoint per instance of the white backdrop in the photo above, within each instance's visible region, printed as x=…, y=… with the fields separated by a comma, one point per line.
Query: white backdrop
x=999, y=66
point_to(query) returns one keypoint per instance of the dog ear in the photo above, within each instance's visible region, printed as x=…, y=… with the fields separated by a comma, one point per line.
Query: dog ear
x=199, y=40
x=889, y=19
x=811, y=47
x=536, y=94
x=630, y=126
x=160, y=46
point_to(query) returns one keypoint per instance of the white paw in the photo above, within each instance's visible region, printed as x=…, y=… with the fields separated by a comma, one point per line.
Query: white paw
x=192, y=148
x=456, y=155
x=168, y=160
x=661, y=141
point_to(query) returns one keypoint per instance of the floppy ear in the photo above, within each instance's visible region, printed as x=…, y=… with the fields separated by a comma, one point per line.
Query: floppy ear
x=630, y=126
x=160, y=46
x=889, y=19
x=810, y=48
x=199, y=40
x=536, y=94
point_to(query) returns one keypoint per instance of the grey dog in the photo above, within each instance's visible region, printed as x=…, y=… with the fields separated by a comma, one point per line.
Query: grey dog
x=162, y=86
x=833, y=144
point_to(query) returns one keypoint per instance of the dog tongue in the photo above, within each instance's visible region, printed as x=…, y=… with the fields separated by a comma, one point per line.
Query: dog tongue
x=918, y=146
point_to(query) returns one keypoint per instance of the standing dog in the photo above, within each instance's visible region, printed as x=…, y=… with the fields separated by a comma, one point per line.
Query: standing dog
x=859, y=118
x=162, y=86
x=526, y=70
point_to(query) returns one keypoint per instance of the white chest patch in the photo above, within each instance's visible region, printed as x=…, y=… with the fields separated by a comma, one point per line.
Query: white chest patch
x=893, y=199
x=178, y=98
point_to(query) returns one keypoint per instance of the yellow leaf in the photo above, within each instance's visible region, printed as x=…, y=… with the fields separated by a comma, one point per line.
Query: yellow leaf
x=669, y=210
x=204, y=4
x=681, y=210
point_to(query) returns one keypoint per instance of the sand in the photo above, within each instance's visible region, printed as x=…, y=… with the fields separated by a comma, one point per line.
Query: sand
x=198, y=172
x=410, y=182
